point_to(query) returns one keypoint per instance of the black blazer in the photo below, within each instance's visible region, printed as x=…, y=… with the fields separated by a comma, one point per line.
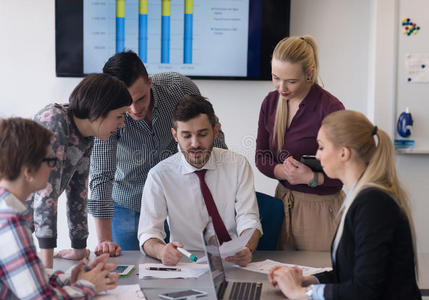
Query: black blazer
x=375, y=258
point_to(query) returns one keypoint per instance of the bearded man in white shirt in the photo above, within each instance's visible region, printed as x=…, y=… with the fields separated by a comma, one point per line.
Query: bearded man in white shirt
x=173, y=190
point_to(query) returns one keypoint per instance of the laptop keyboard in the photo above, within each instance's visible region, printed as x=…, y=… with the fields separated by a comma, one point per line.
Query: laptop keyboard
x=242, y=290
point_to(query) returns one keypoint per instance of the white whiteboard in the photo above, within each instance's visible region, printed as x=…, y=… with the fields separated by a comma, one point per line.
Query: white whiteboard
x=412, y=91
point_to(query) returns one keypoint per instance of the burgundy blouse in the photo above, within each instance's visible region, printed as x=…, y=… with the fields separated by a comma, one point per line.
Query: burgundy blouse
x=300, y=137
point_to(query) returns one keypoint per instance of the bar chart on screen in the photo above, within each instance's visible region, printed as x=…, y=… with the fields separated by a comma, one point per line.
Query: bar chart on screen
x=181, y=35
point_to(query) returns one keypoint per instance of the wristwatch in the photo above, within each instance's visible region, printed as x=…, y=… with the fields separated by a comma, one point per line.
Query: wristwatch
x=309, y=292
x=313, y=182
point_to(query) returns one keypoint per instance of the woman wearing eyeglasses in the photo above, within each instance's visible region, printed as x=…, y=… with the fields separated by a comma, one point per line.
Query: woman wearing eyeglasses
x=96, y=109
x=26, y=161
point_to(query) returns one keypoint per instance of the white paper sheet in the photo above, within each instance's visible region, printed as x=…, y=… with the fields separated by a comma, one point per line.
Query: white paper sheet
x=233, y=246
x=128, y=292
x=417, y=65
x=187, y=270
x=266, y=265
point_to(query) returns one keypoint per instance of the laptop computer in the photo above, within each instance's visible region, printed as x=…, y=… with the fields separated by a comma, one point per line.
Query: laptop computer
x=227, y=289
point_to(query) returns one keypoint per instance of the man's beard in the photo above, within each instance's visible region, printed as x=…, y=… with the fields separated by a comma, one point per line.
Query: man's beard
x=199, y=161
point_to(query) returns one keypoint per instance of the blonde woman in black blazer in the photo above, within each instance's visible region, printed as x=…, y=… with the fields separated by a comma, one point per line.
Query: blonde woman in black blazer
x=373, y=251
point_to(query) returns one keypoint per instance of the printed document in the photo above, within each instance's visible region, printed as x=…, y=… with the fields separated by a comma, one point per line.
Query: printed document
x=183, y=270
x=265, y=267
x=233, y=246
x=127, y=292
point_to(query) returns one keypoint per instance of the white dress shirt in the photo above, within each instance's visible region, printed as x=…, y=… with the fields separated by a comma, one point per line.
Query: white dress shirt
x=172, y=191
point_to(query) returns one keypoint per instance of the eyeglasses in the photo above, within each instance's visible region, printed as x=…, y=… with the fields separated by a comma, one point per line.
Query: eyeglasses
x=51, y=161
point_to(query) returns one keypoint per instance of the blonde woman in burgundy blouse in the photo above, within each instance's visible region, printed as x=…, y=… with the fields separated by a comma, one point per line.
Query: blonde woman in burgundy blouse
x=289, y=120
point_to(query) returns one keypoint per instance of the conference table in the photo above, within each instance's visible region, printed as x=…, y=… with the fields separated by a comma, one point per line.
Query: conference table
x=153, y=287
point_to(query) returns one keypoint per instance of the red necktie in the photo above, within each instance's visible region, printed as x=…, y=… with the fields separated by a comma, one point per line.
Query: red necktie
x=218, y=224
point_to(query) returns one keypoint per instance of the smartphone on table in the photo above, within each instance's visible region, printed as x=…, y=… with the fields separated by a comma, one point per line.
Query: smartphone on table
x=183, y=294
x=123, y=270
x=312, y=162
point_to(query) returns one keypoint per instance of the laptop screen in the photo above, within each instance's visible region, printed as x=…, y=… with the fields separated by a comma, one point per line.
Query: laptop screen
x=211, y=248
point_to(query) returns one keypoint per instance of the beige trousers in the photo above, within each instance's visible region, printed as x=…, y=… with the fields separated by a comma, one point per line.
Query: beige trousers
x=310, y=220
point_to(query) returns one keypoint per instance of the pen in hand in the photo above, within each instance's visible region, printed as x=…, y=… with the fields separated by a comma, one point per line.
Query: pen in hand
x=187, y=254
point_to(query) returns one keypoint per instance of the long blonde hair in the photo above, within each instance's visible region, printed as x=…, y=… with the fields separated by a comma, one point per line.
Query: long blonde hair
x=352, y=129
x=302, y=50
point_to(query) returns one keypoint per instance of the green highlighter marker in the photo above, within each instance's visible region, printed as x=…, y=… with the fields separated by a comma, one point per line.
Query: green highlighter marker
x=187, y=254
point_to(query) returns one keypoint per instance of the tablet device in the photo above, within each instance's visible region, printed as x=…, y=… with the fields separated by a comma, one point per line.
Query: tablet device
x=312, y=162
x=123, y=270
x=183, y=294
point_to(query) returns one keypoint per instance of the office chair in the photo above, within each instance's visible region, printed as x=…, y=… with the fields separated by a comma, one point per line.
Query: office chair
x=271, y=213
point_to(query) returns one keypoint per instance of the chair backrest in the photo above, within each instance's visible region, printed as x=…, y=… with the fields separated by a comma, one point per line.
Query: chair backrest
x=271, y=213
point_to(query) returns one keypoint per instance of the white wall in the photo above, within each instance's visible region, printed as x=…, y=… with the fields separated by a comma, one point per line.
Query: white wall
x=344, y=44
x=412, y=169
x=346, y=32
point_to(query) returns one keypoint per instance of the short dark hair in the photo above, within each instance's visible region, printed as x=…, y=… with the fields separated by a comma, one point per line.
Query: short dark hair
x=23, y=143
x=96, y=95
x=191, y=106
x=126, y=66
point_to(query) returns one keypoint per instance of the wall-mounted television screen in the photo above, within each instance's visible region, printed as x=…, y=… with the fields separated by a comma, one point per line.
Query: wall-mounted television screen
x=225, y=39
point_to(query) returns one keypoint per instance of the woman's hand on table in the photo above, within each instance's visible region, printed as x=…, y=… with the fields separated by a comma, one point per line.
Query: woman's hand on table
x=289, y=280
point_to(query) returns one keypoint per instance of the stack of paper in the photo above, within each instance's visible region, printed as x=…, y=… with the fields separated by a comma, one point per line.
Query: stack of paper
x=184, y=270
x=266, y=266
x=236, y=245
x=128, y=292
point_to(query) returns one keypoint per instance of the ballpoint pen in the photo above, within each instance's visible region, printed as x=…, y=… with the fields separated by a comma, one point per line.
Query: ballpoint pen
x=162, y=269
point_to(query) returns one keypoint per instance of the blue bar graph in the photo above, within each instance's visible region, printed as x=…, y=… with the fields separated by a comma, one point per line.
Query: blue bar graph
x=165, y=31
x=120, y=34
x=120, y=25
x=143, y=36
x=165, y=39
x=187, y=38
x=187, y=49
